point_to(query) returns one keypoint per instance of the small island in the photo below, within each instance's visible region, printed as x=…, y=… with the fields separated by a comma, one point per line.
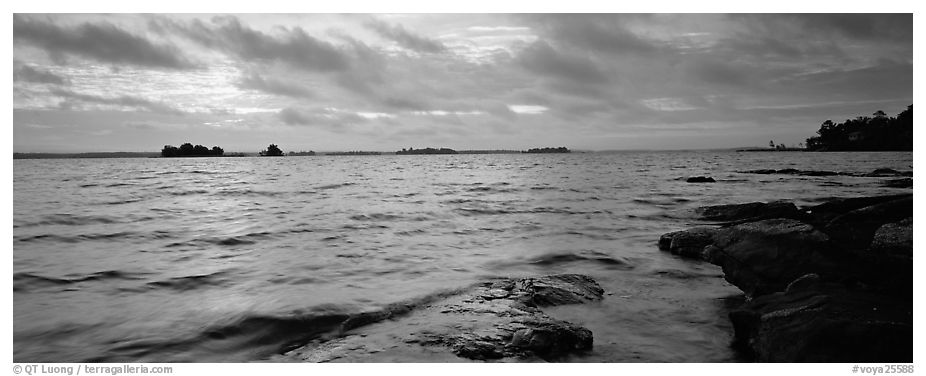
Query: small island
x=876, y=133
x=560, y=149
x=188, y=150
x=413, y=151
x=301, y=153
x=272, y=151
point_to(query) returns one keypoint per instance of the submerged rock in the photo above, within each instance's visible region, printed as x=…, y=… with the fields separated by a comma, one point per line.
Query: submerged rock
x=701, y=179
x=899, y=183
x=488, y=321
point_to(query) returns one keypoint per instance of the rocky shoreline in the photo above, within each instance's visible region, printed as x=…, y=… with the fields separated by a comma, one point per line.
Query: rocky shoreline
x=498, y=320
x=827, y=283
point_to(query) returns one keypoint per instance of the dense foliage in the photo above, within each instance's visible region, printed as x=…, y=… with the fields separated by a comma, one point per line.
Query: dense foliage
x=561, y=149
x=272, y=151
x=188, y=150
x=413, y=151
x=876, y=133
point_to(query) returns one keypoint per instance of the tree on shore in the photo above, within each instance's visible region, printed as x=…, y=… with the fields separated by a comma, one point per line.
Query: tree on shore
x=877, y=133
x=272, y=151
x=189, y=150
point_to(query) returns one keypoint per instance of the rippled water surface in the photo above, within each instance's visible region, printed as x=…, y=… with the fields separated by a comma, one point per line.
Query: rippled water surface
x=220, y=259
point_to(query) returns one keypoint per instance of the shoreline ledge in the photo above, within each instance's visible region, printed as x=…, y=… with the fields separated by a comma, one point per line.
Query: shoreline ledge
x=827, y=283
x=497, y=320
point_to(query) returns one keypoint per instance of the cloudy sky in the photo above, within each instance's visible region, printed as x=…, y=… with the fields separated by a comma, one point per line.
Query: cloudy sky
x=329, y=82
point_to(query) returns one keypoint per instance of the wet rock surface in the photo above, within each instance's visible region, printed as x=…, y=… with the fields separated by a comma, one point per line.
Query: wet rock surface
x=495, y=320
x=831, y=284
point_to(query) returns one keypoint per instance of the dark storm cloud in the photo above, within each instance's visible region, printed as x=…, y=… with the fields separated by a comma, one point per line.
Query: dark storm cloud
x=404, y=37
x=601, y=33
x=887, y=79
x=26, y=73
x=293, y=46
x=893, y=27
x=540, y=57
x=103, y=41
x=123, y=100
x=257, y=82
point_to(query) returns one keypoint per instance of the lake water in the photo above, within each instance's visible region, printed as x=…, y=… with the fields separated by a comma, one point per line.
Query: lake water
x=214, y=259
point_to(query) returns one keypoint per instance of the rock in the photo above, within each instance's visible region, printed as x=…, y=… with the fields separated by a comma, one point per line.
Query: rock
x=898, y=183
x=552, y=339
x=792, y=171
x=557, y=290
x=894, y=239
x=688, y=243
x=856, y=228
x=765, y=256
x=701, y=179
x=825, y=323
x=884, y=172
x=824, y=213
x=488, y=321
x=749, y=211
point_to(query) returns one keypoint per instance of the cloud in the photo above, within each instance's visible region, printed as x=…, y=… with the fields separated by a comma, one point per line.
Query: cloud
x=543, y=59
x=26, y=73
x=405, y=38
x=527, y=109
x=319, y=117
x=255, y=81
x=292, y=46
x=119, y=101
x=871, y=27
x=600, y=33
x=103, y=42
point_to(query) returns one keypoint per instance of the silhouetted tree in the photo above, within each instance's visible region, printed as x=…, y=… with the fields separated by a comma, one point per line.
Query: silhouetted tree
x=866, y=133
x=188, y=150
x=272, y=151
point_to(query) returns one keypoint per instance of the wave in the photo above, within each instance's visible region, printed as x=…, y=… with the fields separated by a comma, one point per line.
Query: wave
x=79, y=238
x=71, y=220
x=551, y=259
x=192, y=282
x=24, y=281
x=334, y=186
x=258, y=336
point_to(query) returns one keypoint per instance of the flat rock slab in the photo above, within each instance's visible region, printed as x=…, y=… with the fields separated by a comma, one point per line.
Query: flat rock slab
x=499, y=320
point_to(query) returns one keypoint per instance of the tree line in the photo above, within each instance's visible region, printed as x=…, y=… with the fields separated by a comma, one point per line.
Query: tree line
x=878, y=132
x=189, y=150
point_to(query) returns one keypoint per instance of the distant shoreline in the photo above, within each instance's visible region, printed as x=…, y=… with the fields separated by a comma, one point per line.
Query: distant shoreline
x=103, y=155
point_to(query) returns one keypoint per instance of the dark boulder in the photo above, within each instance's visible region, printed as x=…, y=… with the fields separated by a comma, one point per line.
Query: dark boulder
x=856, y=228
x=701, y=179
x=688, y=243
x=894, y=239
x=824, y=213
x=765, y=256
x=749, y=211
x=820, y=322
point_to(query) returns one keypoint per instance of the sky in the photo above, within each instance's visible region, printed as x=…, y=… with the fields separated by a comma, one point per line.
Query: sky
x=383, y=82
